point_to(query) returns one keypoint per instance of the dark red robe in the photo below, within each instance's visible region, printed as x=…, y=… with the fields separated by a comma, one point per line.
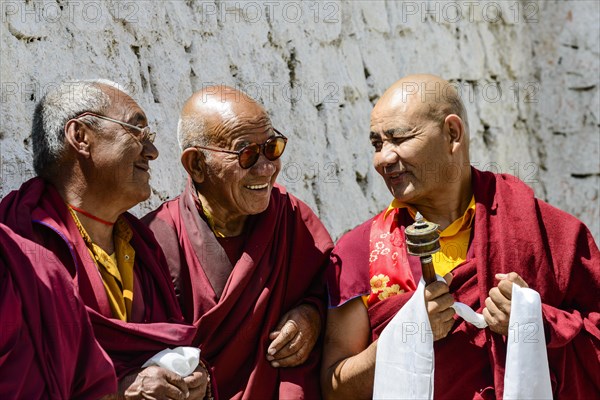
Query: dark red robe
x=513, y=231
x=281, y=266
x=37, y=212
x=47, y=345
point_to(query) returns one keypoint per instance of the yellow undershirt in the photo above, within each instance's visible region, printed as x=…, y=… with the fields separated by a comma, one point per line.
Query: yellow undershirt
x=116, y=269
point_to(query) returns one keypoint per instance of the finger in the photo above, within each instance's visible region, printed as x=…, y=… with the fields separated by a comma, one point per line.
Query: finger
x=442, y=329
x=448, y=315
x=435, y=289
x=169, y=391
x=505, y=288
x=281, y=322
x=177, y=383
x=273, y=335
x=292, y=360
x=448, y=278
x=194, y=380
x=292, y=347
x=289, y=330
x=487, y=316
x=516, y=278
x=493, y=310
x=197, y=393
x=498, y=297
x=440, y=304
x=513, y=277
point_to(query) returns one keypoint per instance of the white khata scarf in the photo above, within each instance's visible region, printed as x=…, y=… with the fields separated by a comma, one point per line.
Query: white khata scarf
x=404, y=366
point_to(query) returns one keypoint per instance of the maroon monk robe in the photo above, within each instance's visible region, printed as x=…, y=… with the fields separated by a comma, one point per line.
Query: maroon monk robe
x=47, y=345
x=281, y=267
x=513, y=231
x=37, y=211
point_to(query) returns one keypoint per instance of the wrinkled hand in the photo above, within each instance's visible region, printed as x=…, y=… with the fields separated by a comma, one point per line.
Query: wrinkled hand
x=157, y=383
x=497, y=305
x=197, y=383
x=294, y=337
x=438, y=301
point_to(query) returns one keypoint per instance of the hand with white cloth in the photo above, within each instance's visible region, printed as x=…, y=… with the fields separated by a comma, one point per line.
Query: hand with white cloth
x=155, y=382
x=173, y=374
x=498, y=304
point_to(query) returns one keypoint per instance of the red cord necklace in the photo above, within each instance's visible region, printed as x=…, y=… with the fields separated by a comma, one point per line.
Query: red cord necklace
x=92, y=216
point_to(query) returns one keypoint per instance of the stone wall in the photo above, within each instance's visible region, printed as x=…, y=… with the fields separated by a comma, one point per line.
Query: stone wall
x=528, y=72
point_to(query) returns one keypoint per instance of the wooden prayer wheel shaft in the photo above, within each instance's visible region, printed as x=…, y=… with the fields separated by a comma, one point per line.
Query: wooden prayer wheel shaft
x=423, y=240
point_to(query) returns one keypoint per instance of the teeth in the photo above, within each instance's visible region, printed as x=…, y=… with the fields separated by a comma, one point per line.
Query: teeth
x=257, y=187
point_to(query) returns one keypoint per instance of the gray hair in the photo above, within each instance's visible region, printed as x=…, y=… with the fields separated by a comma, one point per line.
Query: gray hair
x=55, y=109
x=191, y=132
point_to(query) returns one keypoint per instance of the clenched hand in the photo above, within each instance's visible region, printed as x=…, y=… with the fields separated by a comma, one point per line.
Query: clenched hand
x=497, y=305
x=439, y=303
x=294, y=337
x=158, y=383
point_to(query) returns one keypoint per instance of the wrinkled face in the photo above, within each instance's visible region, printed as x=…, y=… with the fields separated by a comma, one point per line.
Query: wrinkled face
x=227, y=186
x=120, y=161
x=410, y=152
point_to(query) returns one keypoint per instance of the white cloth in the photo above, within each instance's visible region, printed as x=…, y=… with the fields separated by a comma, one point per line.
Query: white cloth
x=527, y=375
x=181, y=360
x=405, y=360
x=404, y=366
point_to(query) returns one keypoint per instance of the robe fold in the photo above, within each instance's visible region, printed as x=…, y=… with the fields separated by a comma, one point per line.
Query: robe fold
x=513, y=231
x=37, y=212
x=281, y=267
x=47, y=345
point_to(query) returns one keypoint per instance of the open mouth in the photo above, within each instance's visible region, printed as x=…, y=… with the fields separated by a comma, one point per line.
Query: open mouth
x=257, y=187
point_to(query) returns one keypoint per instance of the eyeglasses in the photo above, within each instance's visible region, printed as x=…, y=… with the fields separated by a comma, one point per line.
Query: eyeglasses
x=248, y=156
x=144, y=133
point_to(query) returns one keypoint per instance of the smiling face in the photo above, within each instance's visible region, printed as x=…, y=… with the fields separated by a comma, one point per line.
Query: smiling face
x=119, y=165
x=410, y=150
x=231, y=191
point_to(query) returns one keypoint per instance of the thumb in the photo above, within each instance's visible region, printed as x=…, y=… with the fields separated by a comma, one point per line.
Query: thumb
x=448, y=278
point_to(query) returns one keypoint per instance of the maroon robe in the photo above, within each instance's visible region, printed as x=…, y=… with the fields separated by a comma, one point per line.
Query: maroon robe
x=47, y=345
x=37, y=212
x=281, y=267
x=513, y=231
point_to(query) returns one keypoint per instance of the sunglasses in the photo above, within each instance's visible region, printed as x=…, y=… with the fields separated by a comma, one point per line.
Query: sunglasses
x=248, y=155
x=145, y=134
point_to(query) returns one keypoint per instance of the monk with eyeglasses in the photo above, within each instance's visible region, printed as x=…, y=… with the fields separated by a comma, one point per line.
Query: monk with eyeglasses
x=246, y=257
x=91, y=152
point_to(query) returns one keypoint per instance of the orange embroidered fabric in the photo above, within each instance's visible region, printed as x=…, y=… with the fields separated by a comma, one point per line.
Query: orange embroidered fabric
x=388, y=261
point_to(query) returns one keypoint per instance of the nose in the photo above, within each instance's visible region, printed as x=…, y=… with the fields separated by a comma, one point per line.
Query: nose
x=388, y=155
x=264, y=166
x=149, y=151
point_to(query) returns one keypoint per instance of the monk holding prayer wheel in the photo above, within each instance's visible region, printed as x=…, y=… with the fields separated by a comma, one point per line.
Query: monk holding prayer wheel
x=493, y=233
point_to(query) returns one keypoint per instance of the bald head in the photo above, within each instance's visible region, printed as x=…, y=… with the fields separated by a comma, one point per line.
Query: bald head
x=424, y=95
x=215, y=114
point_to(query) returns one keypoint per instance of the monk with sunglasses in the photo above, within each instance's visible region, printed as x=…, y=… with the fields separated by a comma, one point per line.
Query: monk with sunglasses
x=246, y=257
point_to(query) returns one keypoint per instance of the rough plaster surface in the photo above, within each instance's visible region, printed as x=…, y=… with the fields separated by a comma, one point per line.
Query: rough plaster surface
x=528, y=71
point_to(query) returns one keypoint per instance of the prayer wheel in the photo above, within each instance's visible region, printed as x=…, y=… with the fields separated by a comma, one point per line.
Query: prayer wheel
x=423, y=240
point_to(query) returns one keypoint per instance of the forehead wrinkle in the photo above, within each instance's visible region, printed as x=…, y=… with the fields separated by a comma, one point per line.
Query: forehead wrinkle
x=230, y=129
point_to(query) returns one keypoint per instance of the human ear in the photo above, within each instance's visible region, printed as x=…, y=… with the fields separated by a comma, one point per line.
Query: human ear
x=455, y=129
x=193, y=162
x=77, y=135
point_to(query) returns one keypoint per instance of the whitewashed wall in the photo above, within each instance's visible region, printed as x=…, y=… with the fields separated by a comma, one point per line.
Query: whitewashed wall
x=529, y=72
